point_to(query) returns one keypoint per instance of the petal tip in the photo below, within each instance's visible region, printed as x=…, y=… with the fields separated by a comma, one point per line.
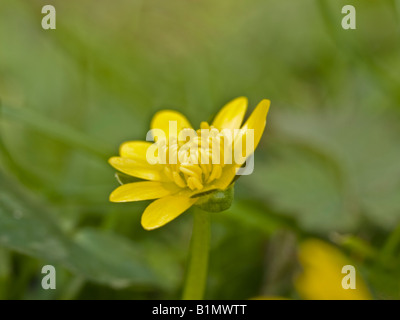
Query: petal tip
x=265, y=103
x=148, y=227
x=122, y=147
x=112, y=161
x=242, y=98
x=112, y=197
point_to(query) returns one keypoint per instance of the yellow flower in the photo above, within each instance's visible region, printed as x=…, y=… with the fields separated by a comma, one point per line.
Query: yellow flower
x=179, y=185
x=322, y=275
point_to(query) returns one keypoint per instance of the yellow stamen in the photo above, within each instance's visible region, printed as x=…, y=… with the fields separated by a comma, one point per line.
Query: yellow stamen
x=178, y=180
x=194, y=182
x=196, y=162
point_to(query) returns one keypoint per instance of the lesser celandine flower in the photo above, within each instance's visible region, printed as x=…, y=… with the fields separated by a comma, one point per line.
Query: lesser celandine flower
x=186, y=167
x=322, y=277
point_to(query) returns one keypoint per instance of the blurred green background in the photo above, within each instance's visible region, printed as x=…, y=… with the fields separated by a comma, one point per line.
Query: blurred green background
x=327, y=167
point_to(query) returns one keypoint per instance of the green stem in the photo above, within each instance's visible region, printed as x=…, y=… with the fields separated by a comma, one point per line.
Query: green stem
x=196, y=273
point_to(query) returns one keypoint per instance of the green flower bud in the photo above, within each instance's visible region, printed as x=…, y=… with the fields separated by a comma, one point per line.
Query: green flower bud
x=216, y=200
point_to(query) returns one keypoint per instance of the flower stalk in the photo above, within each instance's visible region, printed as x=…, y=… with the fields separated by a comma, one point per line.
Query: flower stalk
x=197, y=267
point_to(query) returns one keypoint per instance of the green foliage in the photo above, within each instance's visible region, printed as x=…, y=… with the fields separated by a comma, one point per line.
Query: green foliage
x=332, y=170
x=96, y=255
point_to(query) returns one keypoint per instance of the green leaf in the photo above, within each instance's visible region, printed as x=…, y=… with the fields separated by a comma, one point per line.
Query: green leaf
x=58, y=131
x=98, y=256
x=112, y=259
x=305, y=187
x=255, y=215
x=330, y=170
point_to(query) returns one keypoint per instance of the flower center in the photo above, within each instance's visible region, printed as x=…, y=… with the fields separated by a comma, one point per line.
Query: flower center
x=195, y=158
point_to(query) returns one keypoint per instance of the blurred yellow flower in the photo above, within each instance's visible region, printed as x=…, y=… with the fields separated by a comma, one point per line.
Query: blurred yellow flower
x=321, y=278
x=179, y=185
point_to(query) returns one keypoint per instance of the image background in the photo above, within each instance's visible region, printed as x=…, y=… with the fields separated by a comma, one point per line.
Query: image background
x=327, y=166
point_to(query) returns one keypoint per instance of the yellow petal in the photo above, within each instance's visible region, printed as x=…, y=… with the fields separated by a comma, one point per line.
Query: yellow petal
x=144, y=190
x=228, y=173
x=231, y=115
x=322, y=275
x=163, y=210
x=255, y=122
x=134, y=149
x=161, y=121
x=139, y=169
